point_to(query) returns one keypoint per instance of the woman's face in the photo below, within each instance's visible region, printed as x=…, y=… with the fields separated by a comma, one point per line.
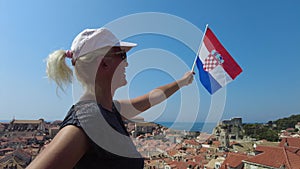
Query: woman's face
x=119, y=64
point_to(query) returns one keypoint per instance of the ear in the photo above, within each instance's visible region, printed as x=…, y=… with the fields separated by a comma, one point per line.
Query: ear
x=105, y=64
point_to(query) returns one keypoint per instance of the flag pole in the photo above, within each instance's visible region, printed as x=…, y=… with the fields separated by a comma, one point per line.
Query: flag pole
x=193, y=67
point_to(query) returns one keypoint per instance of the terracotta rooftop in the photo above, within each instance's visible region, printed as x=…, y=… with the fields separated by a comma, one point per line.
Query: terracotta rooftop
x=199, y=158
x=295, y=150
x=3, y=143
x=172, y=152
x=57, y=122
x=191, y=142
x=234, y=143
x=21, y=155
x=190, y=151
x=233, y=160
x=3, y=139
x=217, y=143
x=203, y=150
x=291, y=142
x=275, y=157
x=6, y=149
x=182, y=164
x=293, y=159
x=39, y=138
x=204, y=136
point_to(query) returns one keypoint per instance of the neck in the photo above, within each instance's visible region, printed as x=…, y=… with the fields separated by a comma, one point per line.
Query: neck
x=104, y=96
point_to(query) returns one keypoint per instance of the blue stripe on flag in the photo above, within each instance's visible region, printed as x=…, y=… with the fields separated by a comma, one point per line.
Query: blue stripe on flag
x=206, y=79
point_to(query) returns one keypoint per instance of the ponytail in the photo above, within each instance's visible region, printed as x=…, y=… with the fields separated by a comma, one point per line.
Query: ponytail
x=57, y=69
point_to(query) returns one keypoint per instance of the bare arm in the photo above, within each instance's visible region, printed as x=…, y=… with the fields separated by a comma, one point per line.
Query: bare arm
x=133, y=107
x=64, y=151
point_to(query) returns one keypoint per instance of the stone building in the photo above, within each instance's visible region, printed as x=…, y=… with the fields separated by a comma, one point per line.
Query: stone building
x=27, y=125
x=53, y=131
x=234, y=128
x=224, y=137
x=237, y=121
x=142, y=128
x=2, y=127
x=297, y=126
x=24, y=128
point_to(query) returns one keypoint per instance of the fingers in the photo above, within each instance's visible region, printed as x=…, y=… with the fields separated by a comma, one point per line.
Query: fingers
x=190, y=77
x=187, y=78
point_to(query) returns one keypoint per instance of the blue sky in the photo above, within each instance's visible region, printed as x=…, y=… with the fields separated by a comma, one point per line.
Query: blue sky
x=262, y=36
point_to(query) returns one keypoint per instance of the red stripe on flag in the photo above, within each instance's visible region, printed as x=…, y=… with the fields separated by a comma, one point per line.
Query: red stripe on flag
x=230, y=66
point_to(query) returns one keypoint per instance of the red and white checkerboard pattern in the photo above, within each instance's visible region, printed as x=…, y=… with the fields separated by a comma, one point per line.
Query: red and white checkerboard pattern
x=210, y=63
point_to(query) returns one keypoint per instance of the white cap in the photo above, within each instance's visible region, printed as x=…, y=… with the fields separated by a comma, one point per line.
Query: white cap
x=92, y=39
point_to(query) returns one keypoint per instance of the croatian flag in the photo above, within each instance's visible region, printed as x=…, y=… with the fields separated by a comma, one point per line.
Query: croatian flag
x=216, y=66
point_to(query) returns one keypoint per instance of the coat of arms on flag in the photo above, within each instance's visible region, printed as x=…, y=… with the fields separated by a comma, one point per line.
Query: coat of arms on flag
x=212, y=60
x=216, y=66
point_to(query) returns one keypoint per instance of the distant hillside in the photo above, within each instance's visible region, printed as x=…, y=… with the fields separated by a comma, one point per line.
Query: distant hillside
x=288, y=122
x=269, y=131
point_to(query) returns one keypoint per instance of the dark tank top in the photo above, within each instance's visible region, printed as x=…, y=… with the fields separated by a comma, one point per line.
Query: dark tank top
x=97, y=157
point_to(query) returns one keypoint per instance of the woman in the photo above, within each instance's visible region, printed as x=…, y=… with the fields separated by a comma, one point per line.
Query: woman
x=93, y=134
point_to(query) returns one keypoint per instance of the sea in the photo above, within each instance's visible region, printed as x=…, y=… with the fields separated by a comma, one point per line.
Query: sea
x=5, y=121
x=188, y=126
x=183, y=126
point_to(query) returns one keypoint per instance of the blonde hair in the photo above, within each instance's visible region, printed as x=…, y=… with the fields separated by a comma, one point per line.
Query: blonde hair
x=57, y=69
x=85, y=68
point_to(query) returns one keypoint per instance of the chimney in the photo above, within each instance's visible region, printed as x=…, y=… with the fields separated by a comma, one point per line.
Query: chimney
x=286, y=144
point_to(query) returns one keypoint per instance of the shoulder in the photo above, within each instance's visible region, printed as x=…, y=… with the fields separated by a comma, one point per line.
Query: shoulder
x=69, y=142
x=79, y=111
x=86, y=107
x=86, y=111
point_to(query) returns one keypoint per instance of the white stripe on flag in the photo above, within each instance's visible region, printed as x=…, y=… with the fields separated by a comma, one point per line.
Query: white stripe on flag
x=220, y=75
x=203, y=53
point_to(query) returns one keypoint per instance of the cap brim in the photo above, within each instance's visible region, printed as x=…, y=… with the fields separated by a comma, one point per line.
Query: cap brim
x=126, y=45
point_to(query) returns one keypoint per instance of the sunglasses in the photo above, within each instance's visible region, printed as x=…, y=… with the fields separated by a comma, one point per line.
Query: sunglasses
x=121, y=53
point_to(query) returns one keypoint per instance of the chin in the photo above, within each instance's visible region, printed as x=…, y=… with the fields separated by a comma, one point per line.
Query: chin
x=121, y=83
